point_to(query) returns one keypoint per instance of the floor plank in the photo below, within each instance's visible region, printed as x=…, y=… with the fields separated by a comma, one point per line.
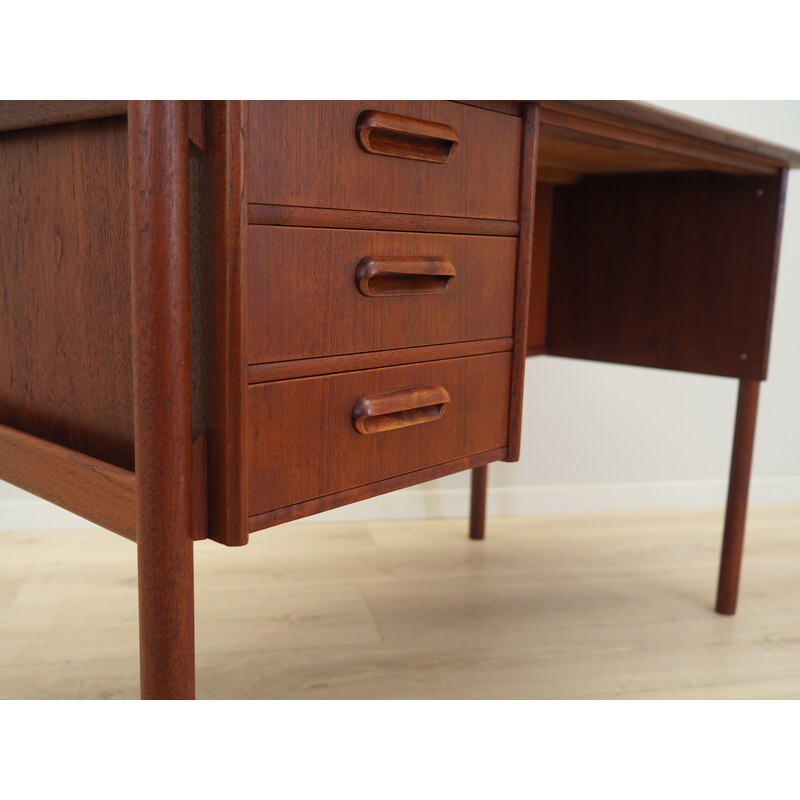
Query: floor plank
x=560, y=606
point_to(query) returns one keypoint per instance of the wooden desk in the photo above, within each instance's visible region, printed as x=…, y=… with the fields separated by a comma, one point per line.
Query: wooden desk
x=220, y=316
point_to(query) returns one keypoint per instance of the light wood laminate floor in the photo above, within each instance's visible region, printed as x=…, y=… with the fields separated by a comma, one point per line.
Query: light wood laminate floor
x=568, y=606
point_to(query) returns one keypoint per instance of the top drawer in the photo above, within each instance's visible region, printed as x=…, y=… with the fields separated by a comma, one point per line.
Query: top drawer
x=335, y=154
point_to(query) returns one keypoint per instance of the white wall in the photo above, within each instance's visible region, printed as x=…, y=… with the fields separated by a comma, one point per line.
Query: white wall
x=607, y=437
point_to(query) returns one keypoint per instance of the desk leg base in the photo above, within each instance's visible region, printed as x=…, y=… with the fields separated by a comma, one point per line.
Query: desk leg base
x=166, y=622
x=477, y=517
x=736, y=511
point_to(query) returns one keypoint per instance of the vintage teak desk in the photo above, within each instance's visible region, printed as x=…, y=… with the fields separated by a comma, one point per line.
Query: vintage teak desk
x=219, y=316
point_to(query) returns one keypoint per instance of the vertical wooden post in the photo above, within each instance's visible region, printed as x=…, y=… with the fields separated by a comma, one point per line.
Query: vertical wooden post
x=527, y=198
x=159, y=220
x=736, y=511
x=477, y=513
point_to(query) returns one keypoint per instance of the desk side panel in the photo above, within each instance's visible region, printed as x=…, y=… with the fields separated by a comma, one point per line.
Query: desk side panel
x=666, y=270
x=65, y=315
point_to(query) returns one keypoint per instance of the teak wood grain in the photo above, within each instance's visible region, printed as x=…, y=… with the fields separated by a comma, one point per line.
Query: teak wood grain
x=319, y=161
x=567, y=155
x=18, y=114
x=304, y=299
x=477, y=511
x=302, y=443
x=574, y=144
x=220, y=281
x=513, y=107
x=308, y=367
x=738, y=488
x=97, y=491
x=666, y=270
x=358, y=493
x=378, y=221
x=65, y=318
x=671, y=126
x=160, y=273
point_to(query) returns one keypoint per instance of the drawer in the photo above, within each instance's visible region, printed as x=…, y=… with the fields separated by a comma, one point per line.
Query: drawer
x=303, y=442
x=320, y=291
x=385, y=156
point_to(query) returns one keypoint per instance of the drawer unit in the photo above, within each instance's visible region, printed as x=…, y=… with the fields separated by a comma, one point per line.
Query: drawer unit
x=311, y=437
x=353, y=319
x=319, y=291
x=421, y=157
x=350, y=250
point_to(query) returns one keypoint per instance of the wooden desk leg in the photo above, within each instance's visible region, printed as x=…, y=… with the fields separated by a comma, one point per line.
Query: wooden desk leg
x=477, y=517
x=736, y=511
x=159, y=227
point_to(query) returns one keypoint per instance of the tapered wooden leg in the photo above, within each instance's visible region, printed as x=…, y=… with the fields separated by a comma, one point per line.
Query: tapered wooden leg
x=477, y=516
x=159, y=227
x=736, y=511
x=166, y=623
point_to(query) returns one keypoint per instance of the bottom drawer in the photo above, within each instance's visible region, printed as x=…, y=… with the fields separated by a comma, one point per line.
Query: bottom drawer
x=304, y=439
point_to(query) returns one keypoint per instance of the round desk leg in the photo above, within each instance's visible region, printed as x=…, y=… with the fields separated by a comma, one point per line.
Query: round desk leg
x=158, y=173
x=477, y=517
x=166, y=621
x=736, y=511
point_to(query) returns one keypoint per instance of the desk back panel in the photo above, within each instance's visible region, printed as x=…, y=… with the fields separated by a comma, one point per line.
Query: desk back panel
x=668, y=270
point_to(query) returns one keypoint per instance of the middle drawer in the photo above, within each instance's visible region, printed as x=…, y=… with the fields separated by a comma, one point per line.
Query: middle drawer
x=319, y=291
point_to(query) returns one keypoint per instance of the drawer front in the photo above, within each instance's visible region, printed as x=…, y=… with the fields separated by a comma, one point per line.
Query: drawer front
x=303, y=441
x=320, y=291
x=321, y=154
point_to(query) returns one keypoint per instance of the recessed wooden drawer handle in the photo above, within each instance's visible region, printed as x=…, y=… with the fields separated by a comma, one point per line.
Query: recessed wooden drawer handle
x=387, y=134
x=399, y=409
x=398, y=275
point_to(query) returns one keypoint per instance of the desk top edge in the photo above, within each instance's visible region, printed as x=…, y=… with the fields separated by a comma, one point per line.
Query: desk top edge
x=655, y=118
x=18, y=114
